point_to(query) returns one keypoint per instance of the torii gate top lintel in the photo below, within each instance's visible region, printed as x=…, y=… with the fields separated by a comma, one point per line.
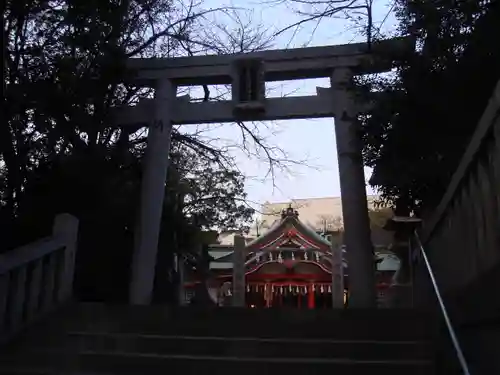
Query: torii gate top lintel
x=247, y=74
x=284, y=64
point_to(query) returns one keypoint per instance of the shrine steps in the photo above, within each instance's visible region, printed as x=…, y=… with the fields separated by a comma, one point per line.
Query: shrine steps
x=126, y=363
x=98, y=339
x=384, y=324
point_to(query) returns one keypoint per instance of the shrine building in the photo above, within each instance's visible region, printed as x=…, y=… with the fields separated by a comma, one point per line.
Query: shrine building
x=290, y=265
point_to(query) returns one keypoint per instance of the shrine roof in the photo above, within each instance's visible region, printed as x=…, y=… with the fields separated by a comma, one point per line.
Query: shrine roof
x=289, y=220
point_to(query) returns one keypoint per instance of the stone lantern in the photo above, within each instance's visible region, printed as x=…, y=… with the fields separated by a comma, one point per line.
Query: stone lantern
x=401, y=294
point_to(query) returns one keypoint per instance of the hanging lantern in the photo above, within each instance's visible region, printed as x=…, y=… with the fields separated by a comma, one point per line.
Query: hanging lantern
x=248, y=288
x=270, y=256
x=265, y=287
x=280, y=257
x=305, y=255
x=321, y=289
x=290, y=288
x=329, y=288
x=272, y=288
x=293, y=255
x=313, y=287
x=281, y=289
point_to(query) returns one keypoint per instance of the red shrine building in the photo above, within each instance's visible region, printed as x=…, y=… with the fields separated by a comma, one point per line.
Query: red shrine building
x=288, y=266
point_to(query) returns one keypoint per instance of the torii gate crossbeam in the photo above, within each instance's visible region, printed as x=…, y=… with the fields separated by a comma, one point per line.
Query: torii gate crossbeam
x=280, y=65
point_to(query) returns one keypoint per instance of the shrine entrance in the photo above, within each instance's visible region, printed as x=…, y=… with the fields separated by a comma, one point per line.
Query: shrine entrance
x=290, y=295
x=247, y=75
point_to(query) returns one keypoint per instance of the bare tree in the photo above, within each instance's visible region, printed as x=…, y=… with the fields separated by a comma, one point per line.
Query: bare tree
x=261, y=225
x=328, y=223
x=226, y=31
x=34, y=57
x=359, y=12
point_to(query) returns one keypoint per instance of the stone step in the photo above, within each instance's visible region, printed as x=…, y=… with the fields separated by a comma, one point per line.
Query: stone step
x=245, y=329
x=98, y=339
x=250, y=346
x=27, y=371
x=108, y=363
x=289, y=314
x=342, y=324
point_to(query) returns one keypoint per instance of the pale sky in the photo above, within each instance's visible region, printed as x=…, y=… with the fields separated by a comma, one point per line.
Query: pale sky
x=309, y=140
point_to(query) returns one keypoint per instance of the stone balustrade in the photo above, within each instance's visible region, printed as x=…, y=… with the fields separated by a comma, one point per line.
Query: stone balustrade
x=462, y=238
x=462, y=244
x=36, y=278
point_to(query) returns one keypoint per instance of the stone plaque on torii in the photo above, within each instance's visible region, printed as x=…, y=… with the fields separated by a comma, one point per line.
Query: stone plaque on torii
x=247, y=74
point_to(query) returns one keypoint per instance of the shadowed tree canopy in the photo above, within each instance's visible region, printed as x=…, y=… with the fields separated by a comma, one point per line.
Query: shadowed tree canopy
x=63, y=68
x=430, y=104
x=211, y=197
x=428, y=109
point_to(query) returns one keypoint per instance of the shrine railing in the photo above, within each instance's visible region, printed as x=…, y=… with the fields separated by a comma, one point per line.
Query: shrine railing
x=36, y=278
x=461, y=241
x=462, y=238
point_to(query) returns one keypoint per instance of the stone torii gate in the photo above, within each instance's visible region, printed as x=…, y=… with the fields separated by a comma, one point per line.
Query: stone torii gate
x=247, y=74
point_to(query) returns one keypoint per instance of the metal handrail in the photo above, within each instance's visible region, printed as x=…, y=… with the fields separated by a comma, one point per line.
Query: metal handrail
x=444, y=311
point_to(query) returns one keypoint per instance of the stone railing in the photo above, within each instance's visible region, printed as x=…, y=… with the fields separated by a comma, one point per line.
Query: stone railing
x=461, y=242
x=462, y=238
x=37, y=277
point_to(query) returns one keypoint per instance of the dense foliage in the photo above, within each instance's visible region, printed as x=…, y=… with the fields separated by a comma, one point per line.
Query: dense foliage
x=429, y=106
x=416, y=134
x=63, y=68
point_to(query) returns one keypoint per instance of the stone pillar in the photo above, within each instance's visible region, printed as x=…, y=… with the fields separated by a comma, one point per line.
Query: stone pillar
x=152, y=193
x=180, y=271
x=238, y=297
x=337, y=277
x=357, y=236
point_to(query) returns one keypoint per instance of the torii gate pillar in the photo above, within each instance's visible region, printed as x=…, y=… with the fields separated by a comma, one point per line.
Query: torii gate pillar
x=155, y=168
x=357, y=234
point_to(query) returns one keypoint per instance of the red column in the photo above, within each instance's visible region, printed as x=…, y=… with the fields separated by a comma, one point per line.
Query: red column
x=310, y=297
x=299, y=296
x=267, y=294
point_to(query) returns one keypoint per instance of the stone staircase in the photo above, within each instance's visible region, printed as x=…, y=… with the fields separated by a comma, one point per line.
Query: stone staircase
x=100, y=339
